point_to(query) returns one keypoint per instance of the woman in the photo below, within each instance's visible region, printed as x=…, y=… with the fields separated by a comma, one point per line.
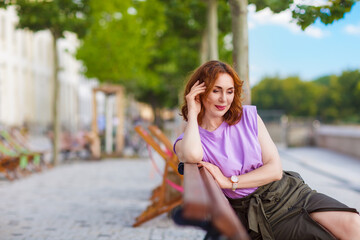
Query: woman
x=232, y=142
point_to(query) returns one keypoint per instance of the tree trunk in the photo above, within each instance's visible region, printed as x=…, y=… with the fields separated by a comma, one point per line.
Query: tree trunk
x=56, y=122
x=158, y=121
x=212, y=29
x=204, y=48
x=241, y=44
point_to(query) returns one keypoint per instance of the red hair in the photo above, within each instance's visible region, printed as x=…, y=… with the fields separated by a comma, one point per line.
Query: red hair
x=208, y=73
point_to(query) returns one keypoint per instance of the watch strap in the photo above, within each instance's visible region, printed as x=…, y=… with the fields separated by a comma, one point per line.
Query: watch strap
x=234, y=186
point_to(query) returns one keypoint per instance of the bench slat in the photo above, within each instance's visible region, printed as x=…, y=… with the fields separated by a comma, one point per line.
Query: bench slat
x=223, y=216
x=196, y=203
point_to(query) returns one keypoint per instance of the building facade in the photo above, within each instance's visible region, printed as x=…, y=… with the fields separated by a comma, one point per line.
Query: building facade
x=26, y=78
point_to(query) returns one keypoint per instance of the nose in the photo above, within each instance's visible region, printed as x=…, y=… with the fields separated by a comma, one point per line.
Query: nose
x=222, y=97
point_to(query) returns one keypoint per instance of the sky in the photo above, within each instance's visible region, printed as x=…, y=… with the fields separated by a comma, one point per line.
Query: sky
x=278, y=46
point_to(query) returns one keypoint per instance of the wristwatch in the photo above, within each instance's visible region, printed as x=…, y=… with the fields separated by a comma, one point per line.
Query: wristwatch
x=234, y=180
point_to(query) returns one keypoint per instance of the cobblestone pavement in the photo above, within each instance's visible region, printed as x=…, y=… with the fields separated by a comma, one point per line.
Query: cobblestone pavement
x=100, y=200
x=85, y=200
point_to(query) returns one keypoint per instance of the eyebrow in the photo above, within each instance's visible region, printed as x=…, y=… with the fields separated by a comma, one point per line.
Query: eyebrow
x=227, y=89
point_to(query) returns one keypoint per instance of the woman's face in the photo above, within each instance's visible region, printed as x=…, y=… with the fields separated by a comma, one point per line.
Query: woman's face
x=220, y=97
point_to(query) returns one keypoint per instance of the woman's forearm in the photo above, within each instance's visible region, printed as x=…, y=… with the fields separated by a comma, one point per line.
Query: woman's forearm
x=190, y=148
x=263, y=175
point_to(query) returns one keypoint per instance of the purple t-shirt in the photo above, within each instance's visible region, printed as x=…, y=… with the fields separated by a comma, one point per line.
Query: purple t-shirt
x=234, y=149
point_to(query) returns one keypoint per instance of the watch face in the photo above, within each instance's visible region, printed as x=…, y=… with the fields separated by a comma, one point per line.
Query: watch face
x=234, y=179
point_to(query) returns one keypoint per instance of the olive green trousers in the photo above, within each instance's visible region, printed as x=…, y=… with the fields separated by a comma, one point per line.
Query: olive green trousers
x=280, y=210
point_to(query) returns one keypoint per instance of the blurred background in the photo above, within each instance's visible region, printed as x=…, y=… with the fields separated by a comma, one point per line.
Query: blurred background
x=77, y=76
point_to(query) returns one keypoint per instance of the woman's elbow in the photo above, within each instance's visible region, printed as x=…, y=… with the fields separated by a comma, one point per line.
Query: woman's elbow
x=192, y=157
x=278, y=176
x=278, y=172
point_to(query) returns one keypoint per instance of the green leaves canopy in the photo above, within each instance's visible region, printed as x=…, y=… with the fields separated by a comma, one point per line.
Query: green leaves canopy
x=292, y=95
x=121, y=44
x=57, y=16
x=306, y=15
x=151, y=46
x=329, y=98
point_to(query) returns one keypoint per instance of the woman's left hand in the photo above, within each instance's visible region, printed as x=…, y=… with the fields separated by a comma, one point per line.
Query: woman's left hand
x=223, y=181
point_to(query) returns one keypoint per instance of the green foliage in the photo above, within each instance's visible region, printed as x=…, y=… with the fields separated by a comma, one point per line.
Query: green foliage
x=324, y=80
x=177, y=50
x=349, y=88
x=120, y=40
x=306, y=15
x=122, y=47
x=330, y=98
x=291, y=94
x=57, y=16
x=275, y=5
x=150, y=52
x=341, y=97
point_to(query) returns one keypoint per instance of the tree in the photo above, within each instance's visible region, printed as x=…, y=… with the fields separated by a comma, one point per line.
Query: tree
x=290, y=94
x=121, y=45
x=154, y=65
x=239, y=30
x=186, y=37
x=331, y=11
x=340, y=99
x=305, y=15
x=56, y=16
x=349, y=89
x=329, y=103
x=329, y=98
x=212, y=29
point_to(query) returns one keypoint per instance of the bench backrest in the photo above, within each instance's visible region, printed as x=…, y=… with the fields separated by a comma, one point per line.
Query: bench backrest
x=168, y=155
x=204, y=200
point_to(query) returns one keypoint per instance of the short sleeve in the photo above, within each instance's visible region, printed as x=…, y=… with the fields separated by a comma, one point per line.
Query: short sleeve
x=250, y=118
x=178, y=139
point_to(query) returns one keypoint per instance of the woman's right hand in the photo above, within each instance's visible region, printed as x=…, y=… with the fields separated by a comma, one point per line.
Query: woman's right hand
x=189, y=149
x=193, y=98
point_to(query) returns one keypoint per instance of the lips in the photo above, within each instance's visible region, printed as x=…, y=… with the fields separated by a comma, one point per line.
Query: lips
x=220, y=107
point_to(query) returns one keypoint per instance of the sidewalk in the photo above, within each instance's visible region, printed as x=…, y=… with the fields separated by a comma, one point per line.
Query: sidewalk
x=326, y=171
x=85, y=201
x=100, y=200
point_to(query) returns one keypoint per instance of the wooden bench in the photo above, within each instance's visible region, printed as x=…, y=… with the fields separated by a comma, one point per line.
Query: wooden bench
x=203, y=200
x=25, y=146
x=164, y=197
x=9, y=166
x=9, y=147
